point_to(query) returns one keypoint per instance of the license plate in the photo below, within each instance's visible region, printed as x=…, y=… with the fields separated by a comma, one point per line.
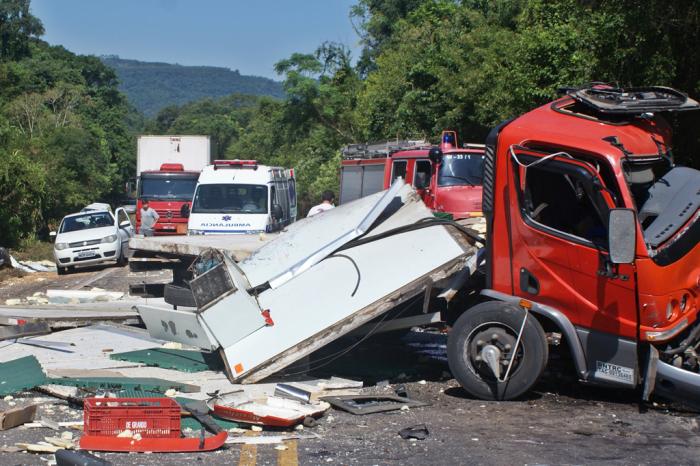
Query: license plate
x=84, y=254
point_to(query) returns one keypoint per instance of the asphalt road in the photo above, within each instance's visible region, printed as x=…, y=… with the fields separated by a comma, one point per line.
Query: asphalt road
x=560, y=422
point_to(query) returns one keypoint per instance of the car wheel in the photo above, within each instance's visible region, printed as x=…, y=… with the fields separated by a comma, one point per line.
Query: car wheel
x=60, y=270
x=122, y=260
x=480, y=347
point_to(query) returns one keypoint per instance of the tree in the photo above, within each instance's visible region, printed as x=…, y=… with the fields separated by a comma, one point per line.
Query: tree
x=17, y=27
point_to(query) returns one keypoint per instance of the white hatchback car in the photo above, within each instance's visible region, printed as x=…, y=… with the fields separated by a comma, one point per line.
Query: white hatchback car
x=92, y=237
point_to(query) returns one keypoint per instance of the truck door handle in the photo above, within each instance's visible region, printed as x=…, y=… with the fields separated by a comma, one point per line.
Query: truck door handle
x=528, y=282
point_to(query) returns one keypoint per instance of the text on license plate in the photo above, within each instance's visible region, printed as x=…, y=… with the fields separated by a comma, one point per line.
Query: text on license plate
x=83, y=254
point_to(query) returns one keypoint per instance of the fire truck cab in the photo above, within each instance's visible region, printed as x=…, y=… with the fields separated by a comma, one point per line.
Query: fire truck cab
x=592, y=234
x=450, y=184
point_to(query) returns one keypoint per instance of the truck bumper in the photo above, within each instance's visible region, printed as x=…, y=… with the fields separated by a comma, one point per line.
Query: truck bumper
x=676, y=383
x=163, y=229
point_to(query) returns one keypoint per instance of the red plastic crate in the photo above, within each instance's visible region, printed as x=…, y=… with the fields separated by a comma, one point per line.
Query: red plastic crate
x=150, y=417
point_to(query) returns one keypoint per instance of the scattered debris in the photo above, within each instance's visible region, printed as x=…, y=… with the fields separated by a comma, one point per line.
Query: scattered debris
x=178, y=359
x=268, y=411
x=8, y=332
x=370, y=404
x=418, y=432
x=17, y=416
x=268, y=439
x=20, y=374
x=284, y=390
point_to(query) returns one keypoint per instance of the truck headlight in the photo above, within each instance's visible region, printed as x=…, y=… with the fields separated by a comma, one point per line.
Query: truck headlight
x=109, y=239
x=60, y=246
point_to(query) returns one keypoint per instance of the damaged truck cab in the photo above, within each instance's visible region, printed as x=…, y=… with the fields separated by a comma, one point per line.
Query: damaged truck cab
x=592, y=233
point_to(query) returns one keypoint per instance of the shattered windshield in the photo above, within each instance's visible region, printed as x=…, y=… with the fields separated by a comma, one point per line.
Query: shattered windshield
x=667, y=204
x=230, y=199
x=461, y=170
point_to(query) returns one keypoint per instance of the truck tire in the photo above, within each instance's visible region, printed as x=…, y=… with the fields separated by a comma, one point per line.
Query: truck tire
x=179, y=296
x=496, y=324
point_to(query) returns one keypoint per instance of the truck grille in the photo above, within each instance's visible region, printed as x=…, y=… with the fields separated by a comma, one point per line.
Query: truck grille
x=166, y=214
x=84, y=243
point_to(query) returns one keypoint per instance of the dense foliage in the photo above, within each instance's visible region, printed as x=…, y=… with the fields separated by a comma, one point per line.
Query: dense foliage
x=67, y=134
x=64, y=134
x=153, y=86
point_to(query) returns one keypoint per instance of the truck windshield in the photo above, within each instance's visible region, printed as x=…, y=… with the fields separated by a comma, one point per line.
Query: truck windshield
x=86, y=222
x=461, y=170
x=171, y=187
x=667, y=204
x=230, y=199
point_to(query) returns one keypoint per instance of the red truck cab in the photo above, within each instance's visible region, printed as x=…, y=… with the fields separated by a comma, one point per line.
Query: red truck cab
x=592, y=231
x=450, y=185
x=169, y=192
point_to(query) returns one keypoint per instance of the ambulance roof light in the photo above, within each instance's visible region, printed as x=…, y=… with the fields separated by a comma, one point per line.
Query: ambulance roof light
x=236, y=164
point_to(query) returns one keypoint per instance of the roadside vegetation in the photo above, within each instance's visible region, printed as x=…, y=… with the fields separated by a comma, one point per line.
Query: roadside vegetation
x=67, y=135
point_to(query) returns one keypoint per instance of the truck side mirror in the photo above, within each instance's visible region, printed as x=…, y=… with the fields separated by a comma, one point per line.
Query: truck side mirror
x=622, y=236
x=277, y=213
x=435, y=155
x=185, y=211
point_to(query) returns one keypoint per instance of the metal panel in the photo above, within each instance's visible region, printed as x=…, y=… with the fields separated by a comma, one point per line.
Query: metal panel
x=310, y=240
x=20, y=374
x=211, y=285
x=372, y=179
x=305, y=307
x=177, y=325
x=351, y=183
x=611, y=359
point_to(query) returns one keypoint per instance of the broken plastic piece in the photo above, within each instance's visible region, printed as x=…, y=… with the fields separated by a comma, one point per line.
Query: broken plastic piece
x=370, y=404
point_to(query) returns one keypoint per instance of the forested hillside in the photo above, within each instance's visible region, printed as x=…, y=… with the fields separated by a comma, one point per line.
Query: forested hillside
x=65, y=138
x=153, y=86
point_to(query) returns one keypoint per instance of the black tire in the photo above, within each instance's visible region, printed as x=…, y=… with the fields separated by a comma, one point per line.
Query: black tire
x=503, y=320
x=61, y=270
x=179, y=296
x=123, y=261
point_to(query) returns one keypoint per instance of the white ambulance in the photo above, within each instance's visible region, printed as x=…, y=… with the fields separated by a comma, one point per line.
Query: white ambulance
x=242, y=197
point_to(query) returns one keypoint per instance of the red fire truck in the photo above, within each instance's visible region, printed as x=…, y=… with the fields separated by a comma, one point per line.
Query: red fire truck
x=592, y=235
x=450, y=184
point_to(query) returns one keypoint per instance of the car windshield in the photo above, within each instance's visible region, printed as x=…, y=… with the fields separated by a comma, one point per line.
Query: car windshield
x=230, y=198
x=86, y=222
x=461, y=169
x=171, y=187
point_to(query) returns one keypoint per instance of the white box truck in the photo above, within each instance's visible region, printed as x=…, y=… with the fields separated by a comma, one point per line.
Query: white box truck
x=167, y=170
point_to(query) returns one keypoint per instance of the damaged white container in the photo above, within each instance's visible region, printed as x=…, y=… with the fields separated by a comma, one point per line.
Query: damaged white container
x=299, y=292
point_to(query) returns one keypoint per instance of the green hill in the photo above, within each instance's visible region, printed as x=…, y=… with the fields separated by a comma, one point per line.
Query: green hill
x=152, y=86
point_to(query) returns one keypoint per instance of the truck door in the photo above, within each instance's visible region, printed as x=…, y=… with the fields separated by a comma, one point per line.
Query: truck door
x=559, y=258
x=421, y=180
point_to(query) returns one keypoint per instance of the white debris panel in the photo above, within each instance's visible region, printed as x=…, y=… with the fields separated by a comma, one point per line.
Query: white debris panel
x=314, y=283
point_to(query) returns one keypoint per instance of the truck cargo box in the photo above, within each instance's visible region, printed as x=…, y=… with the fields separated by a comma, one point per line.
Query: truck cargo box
x=320, y=279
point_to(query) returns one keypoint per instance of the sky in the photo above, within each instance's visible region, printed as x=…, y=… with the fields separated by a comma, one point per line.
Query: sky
x=247, y=35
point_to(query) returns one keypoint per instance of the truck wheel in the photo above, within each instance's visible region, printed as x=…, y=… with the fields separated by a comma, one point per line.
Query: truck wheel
x=489, y=331
x=179, y=296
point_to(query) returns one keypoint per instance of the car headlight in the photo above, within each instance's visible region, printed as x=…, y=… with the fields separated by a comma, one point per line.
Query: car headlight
x=60, y=246
x=195, y=232
x=109, y=239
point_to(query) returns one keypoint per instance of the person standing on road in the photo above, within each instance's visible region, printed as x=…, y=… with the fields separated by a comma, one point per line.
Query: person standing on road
x=149, y=217
x=327, y=203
